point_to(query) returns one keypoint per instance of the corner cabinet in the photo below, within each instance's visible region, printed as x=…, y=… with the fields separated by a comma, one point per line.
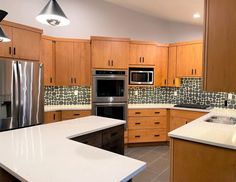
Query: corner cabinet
x=142, y=53
x=219, y=46
x=110, y=53
x=189, y=59
x=25, y=42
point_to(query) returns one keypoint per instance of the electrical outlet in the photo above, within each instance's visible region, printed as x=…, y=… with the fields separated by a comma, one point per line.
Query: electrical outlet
x=136, y=93
x=175, y=93
x=230, y=96
x=76, y=92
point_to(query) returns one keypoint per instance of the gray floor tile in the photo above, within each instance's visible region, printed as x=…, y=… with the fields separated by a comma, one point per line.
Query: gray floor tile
x=160, y=165
x=145, y=176
x=164, y=177
x=151, y=156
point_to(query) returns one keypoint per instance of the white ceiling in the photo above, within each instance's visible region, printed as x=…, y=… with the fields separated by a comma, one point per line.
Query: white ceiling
x=173, y=10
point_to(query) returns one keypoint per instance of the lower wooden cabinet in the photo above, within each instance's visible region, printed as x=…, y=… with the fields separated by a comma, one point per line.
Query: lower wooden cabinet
x=195, y=162
x=66, y=115
x=179, y=118
x=111, y=139
x=51, y=117
x=147, y=125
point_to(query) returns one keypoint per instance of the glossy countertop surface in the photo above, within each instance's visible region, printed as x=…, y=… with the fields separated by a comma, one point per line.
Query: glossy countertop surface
x=45, y=153
x=216, y=134
x=49, y=108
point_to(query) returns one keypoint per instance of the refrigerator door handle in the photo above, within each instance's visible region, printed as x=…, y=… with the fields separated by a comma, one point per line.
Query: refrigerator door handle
x=15, y=89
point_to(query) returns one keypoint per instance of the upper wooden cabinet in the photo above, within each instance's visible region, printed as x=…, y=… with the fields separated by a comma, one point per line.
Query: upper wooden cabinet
x=189, y=59
x=73, y=62
x=161, y=66
x=48, y=59
x=220, y=54
x=25, y=42
x=142, y=53
x=110, y=53
x=172, y=80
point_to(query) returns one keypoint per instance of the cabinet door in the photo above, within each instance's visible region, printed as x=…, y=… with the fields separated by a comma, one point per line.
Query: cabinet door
x=82, y=64
x=189, y=60
x=149, y=54
x=48, y=60
x=64, y=63
x=120, y=55
x=26, y=44
x=101, y=54
x=51, y=117
x=176, y=122
x=135, y=54
x=6, y=47
x=161, y=66
x=172, y=63
x=220, y=54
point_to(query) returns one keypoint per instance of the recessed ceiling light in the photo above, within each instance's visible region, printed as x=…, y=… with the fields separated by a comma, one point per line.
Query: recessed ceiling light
x=196, y=15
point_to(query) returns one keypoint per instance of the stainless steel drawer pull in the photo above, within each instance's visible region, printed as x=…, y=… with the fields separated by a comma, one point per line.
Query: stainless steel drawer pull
x=137, y=112
x=137, y=123
x=156, y=135
x=157, y=122
x=137, y=136
x=76, y=114
x=157, y=112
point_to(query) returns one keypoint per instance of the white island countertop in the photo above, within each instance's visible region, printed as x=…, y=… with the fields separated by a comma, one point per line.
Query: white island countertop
x=45, y=153
x=215, y=134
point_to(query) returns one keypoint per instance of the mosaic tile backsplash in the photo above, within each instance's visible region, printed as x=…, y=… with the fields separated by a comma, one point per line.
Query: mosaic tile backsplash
x=190, y=92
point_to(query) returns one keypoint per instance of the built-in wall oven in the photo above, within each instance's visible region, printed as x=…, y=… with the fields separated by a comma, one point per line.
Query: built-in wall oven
x=109, y=93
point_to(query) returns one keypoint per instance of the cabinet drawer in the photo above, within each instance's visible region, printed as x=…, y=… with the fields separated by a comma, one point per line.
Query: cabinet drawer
x=75, y=114
x=147, y=112
x=191, y=115
x=153, y=135
x=147, y=122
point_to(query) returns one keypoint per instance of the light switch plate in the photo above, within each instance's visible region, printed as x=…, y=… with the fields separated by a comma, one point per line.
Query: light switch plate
x=175, y=93
x=76, y=92
x=230, y=96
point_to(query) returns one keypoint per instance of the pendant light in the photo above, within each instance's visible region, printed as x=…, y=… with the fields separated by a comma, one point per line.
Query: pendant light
x=53, y=15
x=3, y=36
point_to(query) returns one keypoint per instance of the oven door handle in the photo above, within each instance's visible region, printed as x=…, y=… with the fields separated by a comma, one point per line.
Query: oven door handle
x=110, y=104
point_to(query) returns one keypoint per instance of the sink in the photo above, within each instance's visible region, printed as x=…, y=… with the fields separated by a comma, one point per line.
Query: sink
x=222, y=120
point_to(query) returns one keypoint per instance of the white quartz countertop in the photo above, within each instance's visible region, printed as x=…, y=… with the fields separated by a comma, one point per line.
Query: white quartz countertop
x=45, y=153
x=216, y=134
x=50, y=108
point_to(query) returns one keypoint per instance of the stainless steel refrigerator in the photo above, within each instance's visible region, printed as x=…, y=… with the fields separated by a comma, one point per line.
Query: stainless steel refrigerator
x=21, y=94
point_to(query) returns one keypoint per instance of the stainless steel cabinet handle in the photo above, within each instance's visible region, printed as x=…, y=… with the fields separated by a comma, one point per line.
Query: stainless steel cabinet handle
x=14, y=51
x=157, y=112
x=143, y=59
x=109, y=63
x=157, y=122
x=195, y=71
x=140, y=59
x=137, y=136
x=71, y=80
x=51, y=80
x=54, y=117
x=192, y=71
x=156, y=135
x=10, y=50
x=137, y=123
x=137, y=112
x=165, y=82
x=74, y=80
x=174, y=82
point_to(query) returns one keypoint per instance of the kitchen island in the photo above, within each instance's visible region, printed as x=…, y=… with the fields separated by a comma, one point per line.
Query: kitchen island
x=47, y=153
x=204, y=151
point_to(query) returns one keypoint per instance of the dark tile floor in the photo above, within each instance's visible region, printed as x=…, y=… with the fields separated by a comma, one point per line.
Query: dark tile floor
x=157, y=159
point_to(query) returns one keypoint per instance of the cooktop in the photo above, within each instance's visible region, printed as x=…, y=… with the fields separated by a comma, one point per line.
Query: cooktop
x=194, y=106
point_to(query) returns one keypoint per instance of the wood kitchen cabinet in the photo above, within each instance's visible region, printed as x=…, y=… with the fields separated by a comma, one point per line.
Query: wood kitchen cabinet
x=142, y=53
x=111, y=139
x=47, y=57
x=110, y=53
x=73, y=63
x=66, y=115
x=51, y=117
x=161, y=66
x=172, y=80
x=147, y=125
x=189, y=59
x=25, y=42
x=191, y=161
x=179, y=118
x=219, y=46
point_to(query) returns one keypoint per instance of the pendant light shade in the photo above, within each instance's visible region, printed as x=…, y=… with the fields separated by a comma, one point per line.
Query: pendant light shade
x=53, y=15
x=3, y=36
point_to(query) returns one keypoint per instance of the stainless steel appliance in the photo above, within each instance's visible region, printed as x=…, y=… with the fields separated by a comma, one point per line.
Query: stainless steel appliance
x=21, y=94
x=141, y=76
x=109, y=93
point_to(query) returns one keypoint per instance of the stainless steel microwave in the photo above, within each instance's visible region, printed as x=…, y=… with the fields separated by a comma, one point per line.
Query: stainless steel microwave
x=141, y=76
